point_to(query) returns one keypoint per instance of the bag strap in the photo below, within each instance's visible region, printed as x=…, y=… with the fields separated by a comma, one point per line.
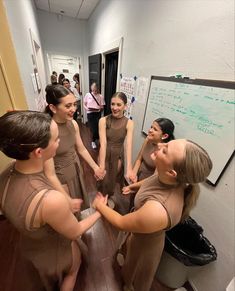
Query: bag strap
x=95, y=99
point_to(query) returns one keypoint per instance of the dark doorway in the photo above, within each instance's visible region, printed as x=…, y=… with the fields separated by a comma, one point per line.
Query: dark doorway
x=111, y=68
x=95, y=70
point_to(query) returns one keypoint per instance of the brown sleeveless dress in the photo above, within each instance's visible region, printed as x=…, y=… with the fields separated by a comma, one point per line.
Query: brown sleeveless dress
x=48, y=253
x=67, y=164
x=115, y=135
x=144, y=250
x=147, y=167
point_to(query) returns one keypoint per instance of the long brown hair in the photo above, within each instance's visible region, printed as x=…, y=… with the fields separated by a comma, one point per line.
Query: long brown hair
x=193, y=169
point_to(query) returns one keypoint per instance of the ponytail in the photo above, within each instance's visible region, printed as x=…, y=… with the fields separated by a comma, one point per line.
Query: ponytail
x=48, y=110
x=191, y=194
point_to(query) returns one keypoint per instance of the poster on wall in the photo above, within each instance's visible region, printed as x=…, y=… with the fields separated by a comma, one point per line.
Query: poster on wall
x=142, y=86
x=128, y=86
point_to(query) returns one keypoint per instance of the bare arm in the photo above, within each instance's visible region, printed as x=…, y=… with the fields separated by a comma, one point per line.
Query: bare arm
x=85, y=154
x=151, y=217
x=129, y=139
x=132, y=187
x=49, y=170
x=103, y=142
x=63, y=221
x=139, y=158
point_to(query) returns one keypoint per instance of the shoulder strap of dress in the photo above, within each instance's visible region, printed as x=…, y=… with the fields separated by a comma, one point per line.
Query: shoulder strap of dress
x=36, y=208
x=5, y=190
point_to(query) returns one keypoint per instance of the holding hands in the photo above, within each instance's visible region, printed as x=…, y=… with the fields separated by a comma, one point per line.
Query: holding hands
x=75, y=204
x=99, y=199
x=131, y=176
x=126, y=190
x=99, y=173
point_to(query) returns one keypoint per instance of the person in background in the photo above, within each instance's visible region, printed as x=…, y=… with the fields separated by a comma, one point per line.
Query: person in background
x=54, y=78
x=76, y=79
x=66, y=84
x=73, y=90
x=163, y=200
x=114, y=130
x=42, y=215
x=94, y=104
x=61, y=78
x=66, y=168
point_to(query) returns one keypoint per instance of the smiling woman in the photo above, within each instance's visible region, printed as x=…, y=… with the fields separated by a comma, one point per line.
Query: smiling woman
x=114, y=129
x=65, y=171
x=163, y=200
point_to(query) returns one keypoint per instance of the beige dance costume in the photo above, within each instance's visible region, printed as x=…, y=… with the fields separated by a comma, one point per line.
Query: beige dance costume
x=67, y=164
x=147, y=167
x=115, y=135
x=48, y=253
x=144, y=250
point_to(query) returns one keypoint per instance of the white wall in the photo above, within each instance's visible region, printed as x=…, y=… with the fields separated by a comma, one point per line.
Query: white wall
x=21, y=16
x=64, y=37
x=195, y=38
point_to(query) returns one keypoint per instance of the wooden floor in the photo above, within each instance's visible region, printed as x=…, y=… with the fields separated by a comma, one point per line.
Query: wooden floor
x=97, y=273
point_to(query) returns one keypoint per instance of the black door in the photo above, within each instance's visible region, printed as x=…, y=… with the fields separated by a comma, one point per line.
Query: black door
x=95, y=70
x=111, y=68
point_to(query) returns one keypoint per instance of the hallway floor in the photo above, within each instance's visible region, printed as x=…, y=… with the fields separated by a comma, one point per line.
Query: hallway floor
x=95, y=275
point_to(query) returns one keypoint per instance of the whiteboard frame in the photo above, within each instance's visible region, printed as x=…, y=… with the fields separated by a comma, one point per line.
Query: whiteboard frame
x=203, y=82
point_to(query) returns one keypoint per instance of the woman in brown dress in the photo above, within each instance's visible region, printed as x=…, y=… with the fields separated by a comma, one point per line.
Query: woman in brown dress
x=65, y=168
x=114, y=129
x=163, y=200
x=42, y=215
x=162, y=130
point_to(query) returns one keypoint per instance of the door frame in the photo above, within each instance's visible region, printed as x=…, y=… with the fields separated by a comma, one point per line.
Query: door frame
x=48, y=54
x=114, y=46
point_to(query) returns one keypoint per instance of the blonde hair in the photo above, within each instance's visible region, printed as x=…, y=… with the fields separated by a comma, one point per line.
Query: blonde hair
x=193, y=169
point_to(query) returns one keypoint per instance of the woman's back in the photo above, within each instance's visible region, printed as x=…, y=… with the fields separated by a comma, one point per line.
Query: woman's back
x=41, y=245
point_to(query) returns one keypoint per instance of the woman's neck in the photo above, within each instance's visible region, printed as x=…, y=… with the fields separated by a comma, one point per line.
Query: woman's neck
x=29, y=166
x=58, y=120
x=166, y=180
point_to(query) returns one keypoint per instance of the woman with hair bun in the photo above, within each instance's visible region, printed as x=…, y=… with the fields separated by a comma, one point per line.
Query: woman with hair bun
x=66, y=164
x=42, y=215
x=114, y=130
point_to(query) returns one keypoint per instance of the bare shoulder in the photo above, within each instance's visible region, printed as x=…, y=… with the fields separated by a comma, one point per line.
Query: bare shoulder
x=75, y=125
x=130, y=124
x=102, y=120
x=54, y=200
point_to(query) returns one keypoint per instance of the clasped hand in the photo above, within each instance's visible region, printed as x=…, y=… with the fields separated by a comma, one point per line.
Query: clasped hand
x=99, y=174
x=99, y=198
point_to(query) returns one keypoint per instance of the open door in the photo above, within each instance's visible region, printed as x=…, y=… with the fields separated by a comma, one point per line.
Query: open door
x=111, y=69
x=95, y=70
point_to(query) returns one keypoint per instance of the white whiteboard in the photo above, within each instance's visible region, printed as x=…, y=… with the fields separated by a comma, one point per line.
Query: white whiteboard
x=201, y=113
